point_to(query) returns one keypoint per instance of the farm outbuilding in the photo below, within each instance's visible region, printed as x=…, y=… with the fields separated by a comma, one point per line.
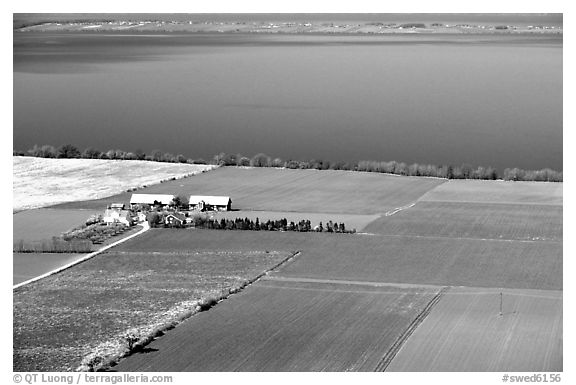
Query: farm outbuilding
x=210, y=202
x=151, y=199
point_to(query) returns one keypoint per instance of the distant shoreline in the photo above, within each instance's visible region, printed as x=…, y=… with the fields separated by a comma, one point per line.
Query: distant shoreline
x=291, y=28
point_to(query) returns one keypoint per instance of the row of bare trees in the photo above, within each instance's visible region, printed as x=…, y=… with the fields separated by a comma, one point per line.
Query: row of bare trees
x=464, y=171
x=71, y=151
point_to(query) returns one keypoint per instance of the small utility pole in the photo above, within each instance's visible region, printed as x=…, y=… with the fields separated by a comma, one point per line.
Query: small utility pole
x=500, y=304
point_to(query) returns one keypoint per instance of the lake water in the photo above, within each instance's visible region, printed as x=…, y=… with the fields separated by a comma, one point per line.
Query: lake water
x=485, y=100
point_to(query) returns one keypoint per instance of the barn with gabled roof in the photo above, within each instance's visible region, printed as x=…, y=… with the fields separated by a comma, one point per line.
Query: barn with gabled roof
x=210, y=203
x=151, y=199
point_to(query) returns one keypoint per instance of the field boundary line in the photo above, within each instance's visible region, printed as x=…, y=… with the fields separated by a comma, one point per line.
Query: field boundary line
x=398, y=209
x=462, y=238
x=454, y=290
x=315, y=289
x=492, y=202
x=357, y=283
x=146, y=227
x=395, y=348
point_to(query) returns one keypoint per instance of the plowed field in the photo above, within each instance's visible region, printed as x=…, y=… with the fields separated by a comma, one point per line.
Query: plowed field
x=288, y=326
x=486, y=191
x=464, y=332
x=398, y=259
x=474, y=220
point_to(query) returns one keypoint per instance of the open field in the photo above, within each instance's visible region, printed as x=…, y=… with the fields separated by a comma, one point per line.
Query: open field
x=43, y=224
x=29, y=265
x=464, y=332
x=288, y=326
x=398, y=259
x=40, y=182
x=341, y=304
x=90, y=306
x=484, y=191
x=351, y=221
x=474, y=220
x=272, y=189
x=435, y=261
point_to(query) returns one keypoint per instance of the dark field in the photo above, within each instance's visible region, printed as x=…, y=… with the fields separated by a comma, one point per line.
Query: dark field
x=464, y=333
x=437, y=261
x=29, y=265
x=87, y=308
x=288, y=326
x=273, y=189
x=43, y=224
x=398, y=259
x=474, y=220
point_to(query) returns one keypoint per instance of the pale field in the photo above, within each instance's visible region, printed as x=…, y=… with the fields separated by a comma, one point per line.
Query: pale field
x=497, y=191
x=465, y=332
x=40, y=182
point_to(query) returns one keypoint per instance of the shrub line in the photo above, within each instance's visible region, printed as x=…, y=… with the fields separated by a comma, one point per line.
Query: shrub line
x=464, y=171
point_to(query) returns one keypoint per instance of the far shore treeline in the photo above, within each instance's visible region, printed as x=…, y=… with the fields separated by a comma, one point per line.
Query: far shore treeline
x=464, y=171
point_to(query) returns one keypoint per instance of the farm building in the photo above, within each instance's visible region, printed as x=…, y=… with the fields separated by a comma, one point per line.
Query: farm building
x=151, y=199
x=209, y=203
x=175, y=219
x=118, y=216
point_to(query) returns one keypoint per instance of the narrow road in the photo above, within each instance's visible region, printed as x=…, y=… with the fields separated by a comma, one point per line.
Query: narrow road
x=27, y=266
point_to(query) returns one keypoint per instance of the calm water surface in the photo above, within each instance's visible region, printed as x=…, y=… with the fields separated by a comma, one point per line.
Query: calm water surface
x=484, y=100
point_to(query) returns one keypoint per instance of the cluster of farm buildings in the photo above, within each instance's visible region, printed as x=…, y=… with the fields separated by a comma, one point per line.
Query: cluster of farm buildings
x=142, y=204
